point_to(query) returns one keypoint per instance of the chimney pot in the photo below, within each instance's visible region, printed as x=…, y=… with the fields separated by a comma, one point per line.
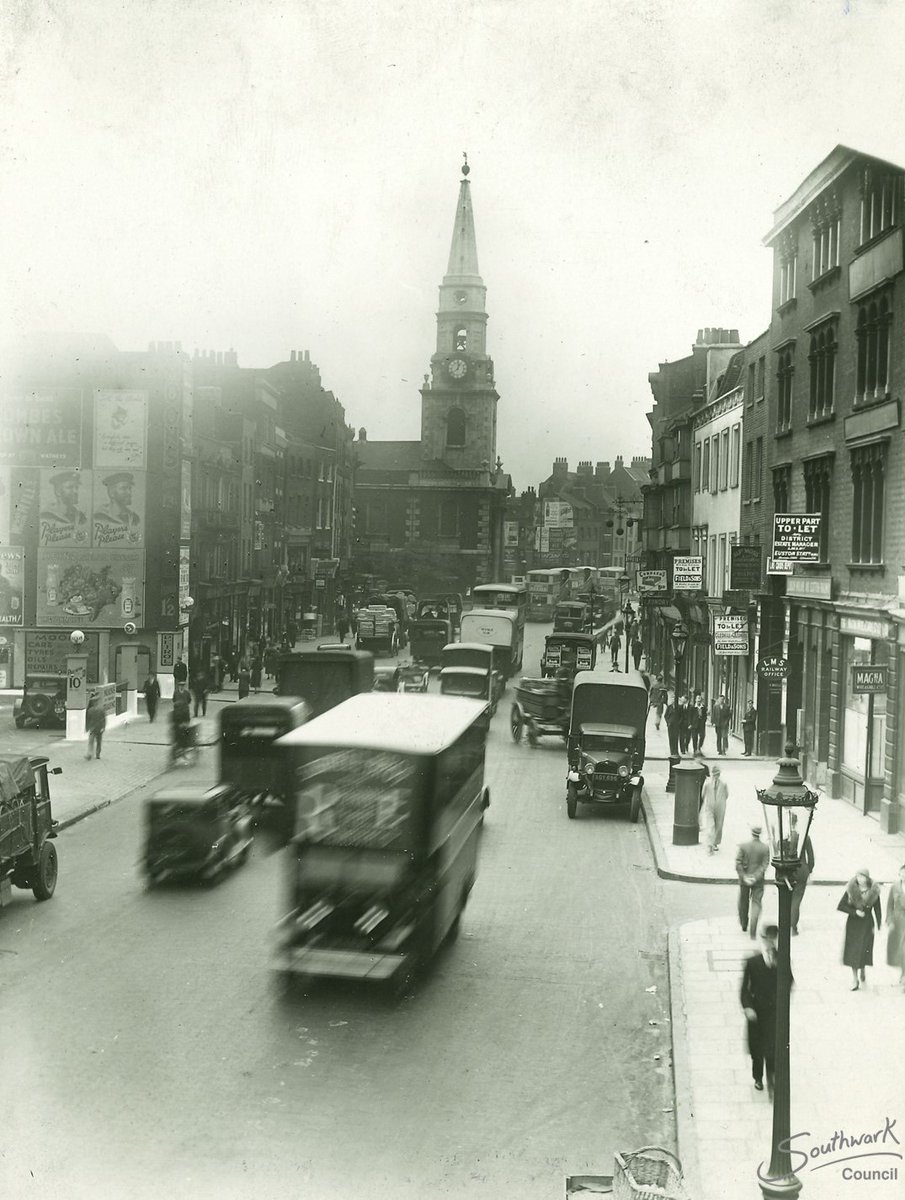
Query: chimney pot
x=362, y=434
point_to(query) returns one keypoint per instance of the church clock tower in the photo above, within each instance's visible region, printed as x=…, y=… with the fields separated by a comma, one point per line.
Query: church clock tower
x=458, y=400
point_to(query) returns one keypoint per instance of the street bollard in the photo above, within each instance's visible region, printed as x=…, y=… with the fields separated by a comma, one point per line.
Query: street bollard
x=689, y=781
x=671, y=781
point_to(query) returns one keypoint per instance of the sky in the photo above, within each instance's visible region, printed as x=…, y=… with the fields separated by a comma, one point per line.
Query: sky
x=239, y=174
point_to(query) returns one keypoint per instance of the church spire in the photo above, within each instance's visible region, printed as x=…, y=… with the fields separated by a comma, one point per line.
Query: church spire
x=463, y=253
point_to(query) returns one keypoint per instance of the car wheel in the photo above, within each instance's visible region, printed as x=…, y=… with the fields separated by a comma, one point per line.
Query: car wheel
x=515, y=724
x=572, y=801
x=635, y=810
x=45, y=880
x=39, y=706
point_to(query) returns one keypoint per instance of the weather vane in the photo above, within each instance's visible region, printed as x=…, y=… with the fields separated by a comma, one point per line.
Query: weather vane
x=465, y=167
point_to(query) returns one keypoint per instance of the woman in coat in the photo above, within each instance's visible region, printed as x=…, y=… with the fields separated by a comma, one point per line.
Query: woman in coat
x=714, y=795
x=861, y=904
x=895, y=919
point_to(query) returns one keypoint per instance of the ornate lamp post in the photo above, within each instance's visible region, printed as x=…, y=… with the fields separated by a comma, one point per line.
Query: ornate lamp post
x=679, y=638
x=628, y=619
x=789, y=795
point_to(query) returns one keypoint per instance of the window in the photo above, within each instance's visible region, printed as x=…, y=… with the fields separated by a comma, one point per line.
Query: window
x=455, y=427
x=448, y=518
x=826, y=246
x=711, y=570
x=781, y=481
x=751, y=384
x=747, y=471
x=761, y=376
x=757, y=481
x=788, y=277
x=376, y=516
x=721, y=567
x=784, y=375
x=869, y=491
x=705, y=466
x=735, y=453
x=461, y=339
x=698, y=457
x=724, y=460
x=817, y=477
x=872, y=333
x=822, y=359
x=879, y=204
x=714, y=463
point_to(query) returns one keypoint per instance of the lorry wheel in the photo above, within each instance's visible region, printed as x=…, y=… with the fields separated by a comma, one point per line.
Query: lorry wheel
x=45, y=878
x=572, y=801
x=635, y=810
x=515, y=724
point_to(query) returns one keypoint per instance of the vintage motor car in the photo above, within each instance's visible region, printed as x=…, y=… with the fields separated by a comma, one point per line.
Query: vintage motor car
x=414, y=677
x=476, y=682
x=390, y=802
x=476, y=654
x=572, y=651
x=499, y=628
x=248, y=730
x=325, y=676
x=387, y=678
x=28, y=857
x=571, y=616
x=430, y=630
x=606, y=741
x=43, y=701
x=195, y=832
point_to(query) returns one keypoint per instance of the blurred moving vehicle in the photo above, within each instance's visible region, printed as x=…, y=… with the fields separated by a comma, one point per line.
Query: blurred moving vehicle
x=195, y=832
x=248, y=730
x=397, y=602
x=377, y=628
x=540, y=709
x=476, y=682
x=572, y=616
x=390, y=801
x=28, y=857
x=387, y=678
x=500, y=629
x=430, y=630
x=476, y=654
x=606, y=741
x=325, y=676
x=572, y=651
x=43, y=701
x=414, y=677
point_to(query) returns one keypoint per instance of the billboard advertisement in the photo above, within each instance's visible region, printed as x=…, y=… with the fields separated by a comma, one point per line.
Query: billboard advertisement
x=47, y=650
x=185, y=520
x=730, y=635
x=82, y=588
x=64, y=508
x=39, y=429
x=796, y=537
x=120, y=422
x=557, y=514
x=19, y=488
x=12, y=585
x=687, y=573
x=185, y=565
x=510, y=534
x=118, y=512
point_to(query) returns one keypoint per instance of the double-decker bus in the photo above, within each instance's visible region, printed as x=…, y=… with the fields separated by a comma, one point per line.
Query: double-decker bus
x=512, y=596
x=546, y=587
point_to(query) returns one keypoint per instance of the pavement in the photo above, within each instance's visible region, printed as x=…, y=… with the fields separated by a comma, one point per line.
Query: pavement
x=847, y=1047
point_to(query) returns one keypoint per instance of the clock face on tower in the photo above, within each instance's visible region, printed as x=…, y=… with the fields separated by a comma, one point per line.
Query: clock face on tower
x=461, y=297
x=458, y=368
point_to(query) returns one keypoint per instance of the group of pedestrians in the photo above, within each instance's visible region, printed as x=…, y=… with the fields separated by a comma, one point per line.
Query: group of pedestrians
x=613, y=640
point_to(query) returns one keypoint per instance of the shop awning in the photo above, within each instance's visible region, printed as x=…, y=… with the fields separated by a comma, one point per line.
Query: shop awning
x=668, y=613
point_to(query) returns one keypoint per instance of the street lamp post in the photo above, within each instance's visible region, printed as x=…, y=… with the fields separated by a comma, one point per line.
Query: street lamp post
x=789, y=796
x=679, y=637
x=628, y=617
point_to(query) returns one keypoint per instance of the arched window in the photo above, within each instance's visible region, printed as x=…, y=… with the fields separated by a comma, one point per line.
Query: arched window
x=455, y=427
x=460, y=341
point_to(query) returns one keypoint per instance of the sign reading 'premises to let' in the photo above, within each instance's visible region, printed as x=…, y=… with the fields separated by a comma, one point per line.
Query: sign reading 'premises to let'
x=796, y=537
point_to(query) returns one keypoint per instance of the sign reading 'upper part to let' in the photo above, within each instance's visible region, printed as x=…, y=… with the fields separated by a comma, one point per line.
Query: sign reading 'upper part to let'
x=687, y=573
x=868, y=678
x=796, y=537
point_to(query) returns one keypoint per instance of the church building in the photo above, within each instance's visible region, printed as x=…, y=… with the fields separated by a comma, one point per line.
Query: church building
x=428, y=514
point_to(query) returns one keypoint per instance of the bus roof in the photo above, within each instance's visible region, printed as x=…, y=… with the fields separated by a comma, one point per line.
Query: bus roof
x=514, y=589
x=404, y=723
x=502, y=614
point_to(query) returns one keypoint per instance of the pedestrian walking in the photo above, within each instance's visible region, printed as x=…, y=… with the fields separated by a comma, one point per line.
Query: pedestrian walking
x=721, y=715
x=671, y=716
x=342, y=625
x=152, y=695
x=637, y=651
x=861, y=904
x=698, y=723
x=758, y=997
x=270, y=662
x=684, y=724
x=244, y=677
x=180, y=725
x=714, y=795
x=292, y=633
x=799, y=880
x=658, y=697
x=751, y=867
x=257, y=664
x=95, y=723
x=749, y=725
x=180, y=673
x=615, y=647
x=895, y=919
x=199, y=690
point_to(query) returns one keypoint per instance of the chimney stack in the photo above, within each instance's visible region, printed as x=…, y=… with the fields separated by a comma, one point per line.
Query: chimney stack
x=362, y=434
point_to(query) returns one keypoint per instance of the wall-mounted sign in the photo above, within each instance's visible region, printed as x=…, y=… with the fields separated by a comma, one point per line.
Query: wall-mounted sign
x=745, y=568
x=651, y=581
x=796, y=536
x=688, y=573
x=41, y=430
x=120, y=423
x=867, y=678
x=103, y=588
x=773, y=667
x=780, y=566
x=730, y=635
x=12, y=585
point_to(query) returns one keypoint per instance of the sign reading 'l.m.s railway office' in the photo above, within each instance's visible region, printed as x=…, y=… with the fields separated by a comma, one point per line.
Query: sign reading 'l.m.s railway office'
x=796, y=537
x=868, y=678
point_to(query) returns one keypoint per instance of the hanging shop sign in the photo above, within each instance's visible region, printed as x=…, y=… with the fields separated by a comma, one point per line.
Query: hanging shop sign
x=796, y=537
x=780, y=566
x=688, y=573
x=868, y=679
x=651, y=582
x=745, y=568
x=730, y=635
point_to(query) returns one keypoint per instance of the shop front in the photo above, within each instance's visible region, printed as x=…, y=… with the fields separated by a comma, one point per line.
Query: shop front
x=813, y=628
x=863, y=679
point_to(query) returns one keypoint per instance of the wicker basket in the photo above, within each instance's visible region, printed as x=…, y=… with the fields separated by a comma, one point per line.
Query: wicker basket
x=651, y=1173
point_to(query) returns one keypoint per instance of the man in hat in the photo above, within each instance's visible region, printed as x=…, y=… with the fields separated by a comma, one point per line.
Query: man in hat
x=118, y=509
x=64, y=517
x=758, y=997
x=751, y=867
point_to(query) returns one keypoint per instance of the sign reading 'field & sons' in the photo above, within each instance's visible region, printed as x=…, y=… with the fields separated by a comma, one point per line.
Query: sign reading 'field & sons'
x=796, y=537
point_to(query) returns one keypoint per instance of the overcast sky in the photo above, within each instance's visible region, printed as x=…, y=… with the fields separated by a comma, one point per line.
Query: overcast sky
x=276, y=176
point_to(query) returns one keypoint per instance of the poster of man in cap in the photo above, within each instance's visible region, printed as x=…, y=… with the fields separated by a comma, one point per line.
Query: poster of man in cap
x=119, y=506
x=62, y=519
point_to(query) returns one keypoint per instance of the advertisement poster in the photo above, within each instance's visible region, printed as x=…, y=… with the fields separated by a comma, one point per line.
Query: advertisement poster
x=651, y=581
x=120, y=420
x=19, y=495
x=185, y=521
x=46, y=652
x=118, y=511
x=40, y=429
x=510, y=534
x=796, y=537
x=12, y=585
x=687, y=573
x=81, y=588
x=557, y=514
x=185, y=565
x=730, y=635
x=64, y=509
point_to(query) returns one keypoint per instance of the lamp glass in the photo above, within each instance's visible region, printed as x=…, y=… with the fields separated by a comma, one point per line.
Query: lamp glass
x=788, y=811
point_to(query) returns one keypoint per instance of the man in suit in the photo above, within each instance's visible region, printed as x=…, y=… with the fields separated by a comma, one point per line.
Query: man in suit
x=758, y=997
x=751, y=867
x=721, y=716
x=799, y=881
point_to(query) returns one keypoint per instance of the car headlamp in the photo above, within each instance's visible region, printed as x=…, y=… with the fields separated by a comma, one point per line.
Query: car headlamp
x=623, y=772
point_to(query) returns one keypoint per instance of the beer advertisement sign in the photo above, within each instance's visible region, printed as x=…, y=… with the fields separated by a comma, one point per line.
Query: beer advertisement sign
x=39, y=429
x=80, y=588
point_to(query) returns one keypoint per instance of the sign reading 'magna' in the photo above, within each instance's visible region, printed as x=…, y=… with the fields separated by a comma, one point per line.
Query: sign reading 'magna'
x=868, y=678
x=796, y=537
